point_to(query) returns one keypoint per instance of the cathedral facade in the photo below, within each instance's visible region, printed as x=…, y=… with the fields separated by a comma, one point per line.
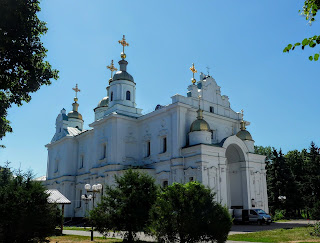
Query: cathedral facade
x=197, y=137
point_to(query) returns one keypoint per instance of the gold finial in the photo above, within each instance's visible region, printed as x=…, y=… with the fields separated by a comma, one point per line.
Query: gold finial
x=76, y=90
x=112, y=68
x=123, y=43
x=242, y=123
x=193, y=70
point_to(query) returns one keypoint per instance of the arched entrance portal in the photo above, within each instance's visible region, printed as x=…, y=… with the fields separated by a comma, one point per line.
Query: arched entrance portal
x=236, y=177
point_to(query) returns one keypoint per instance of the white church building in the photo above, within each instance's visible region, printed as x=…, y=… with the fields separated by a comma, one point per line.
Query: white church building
x=197, y=137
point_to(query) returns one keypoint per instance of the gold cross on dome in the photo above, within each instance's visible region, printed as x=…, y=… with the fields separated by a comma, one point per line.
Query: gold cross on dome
x=76, y=90
x=123, y=43
x=242, y=113
x=193, y=70
x=112, y=68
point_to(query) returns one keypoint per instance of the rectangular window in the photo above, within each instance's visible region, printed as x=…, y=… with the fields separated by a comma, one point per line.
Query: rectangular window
x=211, y=109
x=81, y=161
x=104, y=151
x=164, y=144
x=165, y=183
x=191, y=178
x=148, y=148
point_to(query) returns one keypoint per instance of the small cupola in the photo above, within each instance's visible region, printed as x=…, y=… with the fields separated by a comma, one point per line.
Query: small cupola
x=74, y=117
x=200, y=132
x=200, y=124
x=122, y=74
x=74, y=113
x=243, y=134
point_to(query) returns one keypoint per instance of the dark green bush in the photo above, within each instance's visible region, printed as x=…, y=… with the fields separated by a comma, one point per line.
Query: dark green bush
x=188, y=213
x=26, y=216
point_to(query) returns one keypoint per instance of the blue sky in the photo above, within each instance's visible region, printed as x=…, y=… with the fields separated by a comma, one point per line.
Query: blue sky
x=241, y=41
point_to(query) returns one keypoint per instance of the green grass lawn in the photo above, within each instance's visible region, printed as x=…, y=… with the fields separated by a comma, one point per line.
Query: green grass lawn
x=301, y=234
x=76, y=228
x=81, y=239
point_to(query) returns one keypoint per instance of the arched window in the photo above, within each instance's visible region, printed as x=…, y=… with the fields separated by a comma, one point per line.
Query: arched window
x=111, y=99
x=128, y=95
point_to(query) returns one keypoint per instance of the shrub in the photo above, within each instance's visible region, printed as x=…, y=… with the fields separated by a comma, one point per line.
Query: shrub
x=188, y=213
x=26, y=216
x=316, y=229
x=125, y=207
x=315, y=211
x=279, y=214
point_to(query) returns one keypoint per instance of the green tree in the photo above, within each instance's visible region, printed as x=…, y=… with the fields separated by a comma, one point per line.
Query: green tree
x=312, y=181
x=188, y=213
x=26, y=216
x=309, y=10
x=23, y=68
x=125, y=206
x=267, y=151
x=296, y=198
x=279, y=178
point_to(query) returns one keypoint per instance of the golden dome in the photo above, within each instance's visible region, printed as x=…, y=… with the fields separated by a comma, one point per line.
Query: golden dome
x=199, y=124
x=74, y=114
x=244, y=135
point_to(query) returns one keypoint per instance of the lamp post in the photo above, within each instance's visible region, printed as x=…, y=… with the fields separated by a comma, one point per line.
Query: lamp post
x=86, y=198
x=90, y=195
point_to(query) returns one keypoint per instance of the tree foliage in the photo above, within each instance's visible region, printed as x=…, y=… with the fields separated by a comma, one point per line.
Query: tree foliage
x=23, y=68
x=295, y=175
x=188, y=213
x=309, y=10
x=26, y=216
x=125, y=206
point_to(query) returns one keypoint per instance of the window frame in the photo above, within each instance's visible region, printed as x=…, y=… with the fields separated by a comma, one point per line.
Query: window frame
x=128, y=94
x=104, y=153
x=81, y=161
x=165, y=183
x=148, y=148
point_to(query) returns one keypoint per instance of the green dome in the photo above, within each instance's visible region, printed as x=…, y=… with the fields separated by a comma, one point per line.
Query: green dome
x=244, y=135
x=104, y=102
x=199, y=125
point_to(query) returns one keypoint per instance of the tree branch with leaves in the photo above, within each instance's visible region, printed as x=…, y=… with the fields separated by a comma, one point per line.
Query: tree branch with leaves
x=23, y=68
x=309, y=10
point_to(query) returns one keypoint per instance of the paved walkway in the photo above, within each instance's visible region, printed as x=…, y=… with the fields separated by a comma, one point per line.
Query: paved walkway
x=141, y=235
x=236, y=229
